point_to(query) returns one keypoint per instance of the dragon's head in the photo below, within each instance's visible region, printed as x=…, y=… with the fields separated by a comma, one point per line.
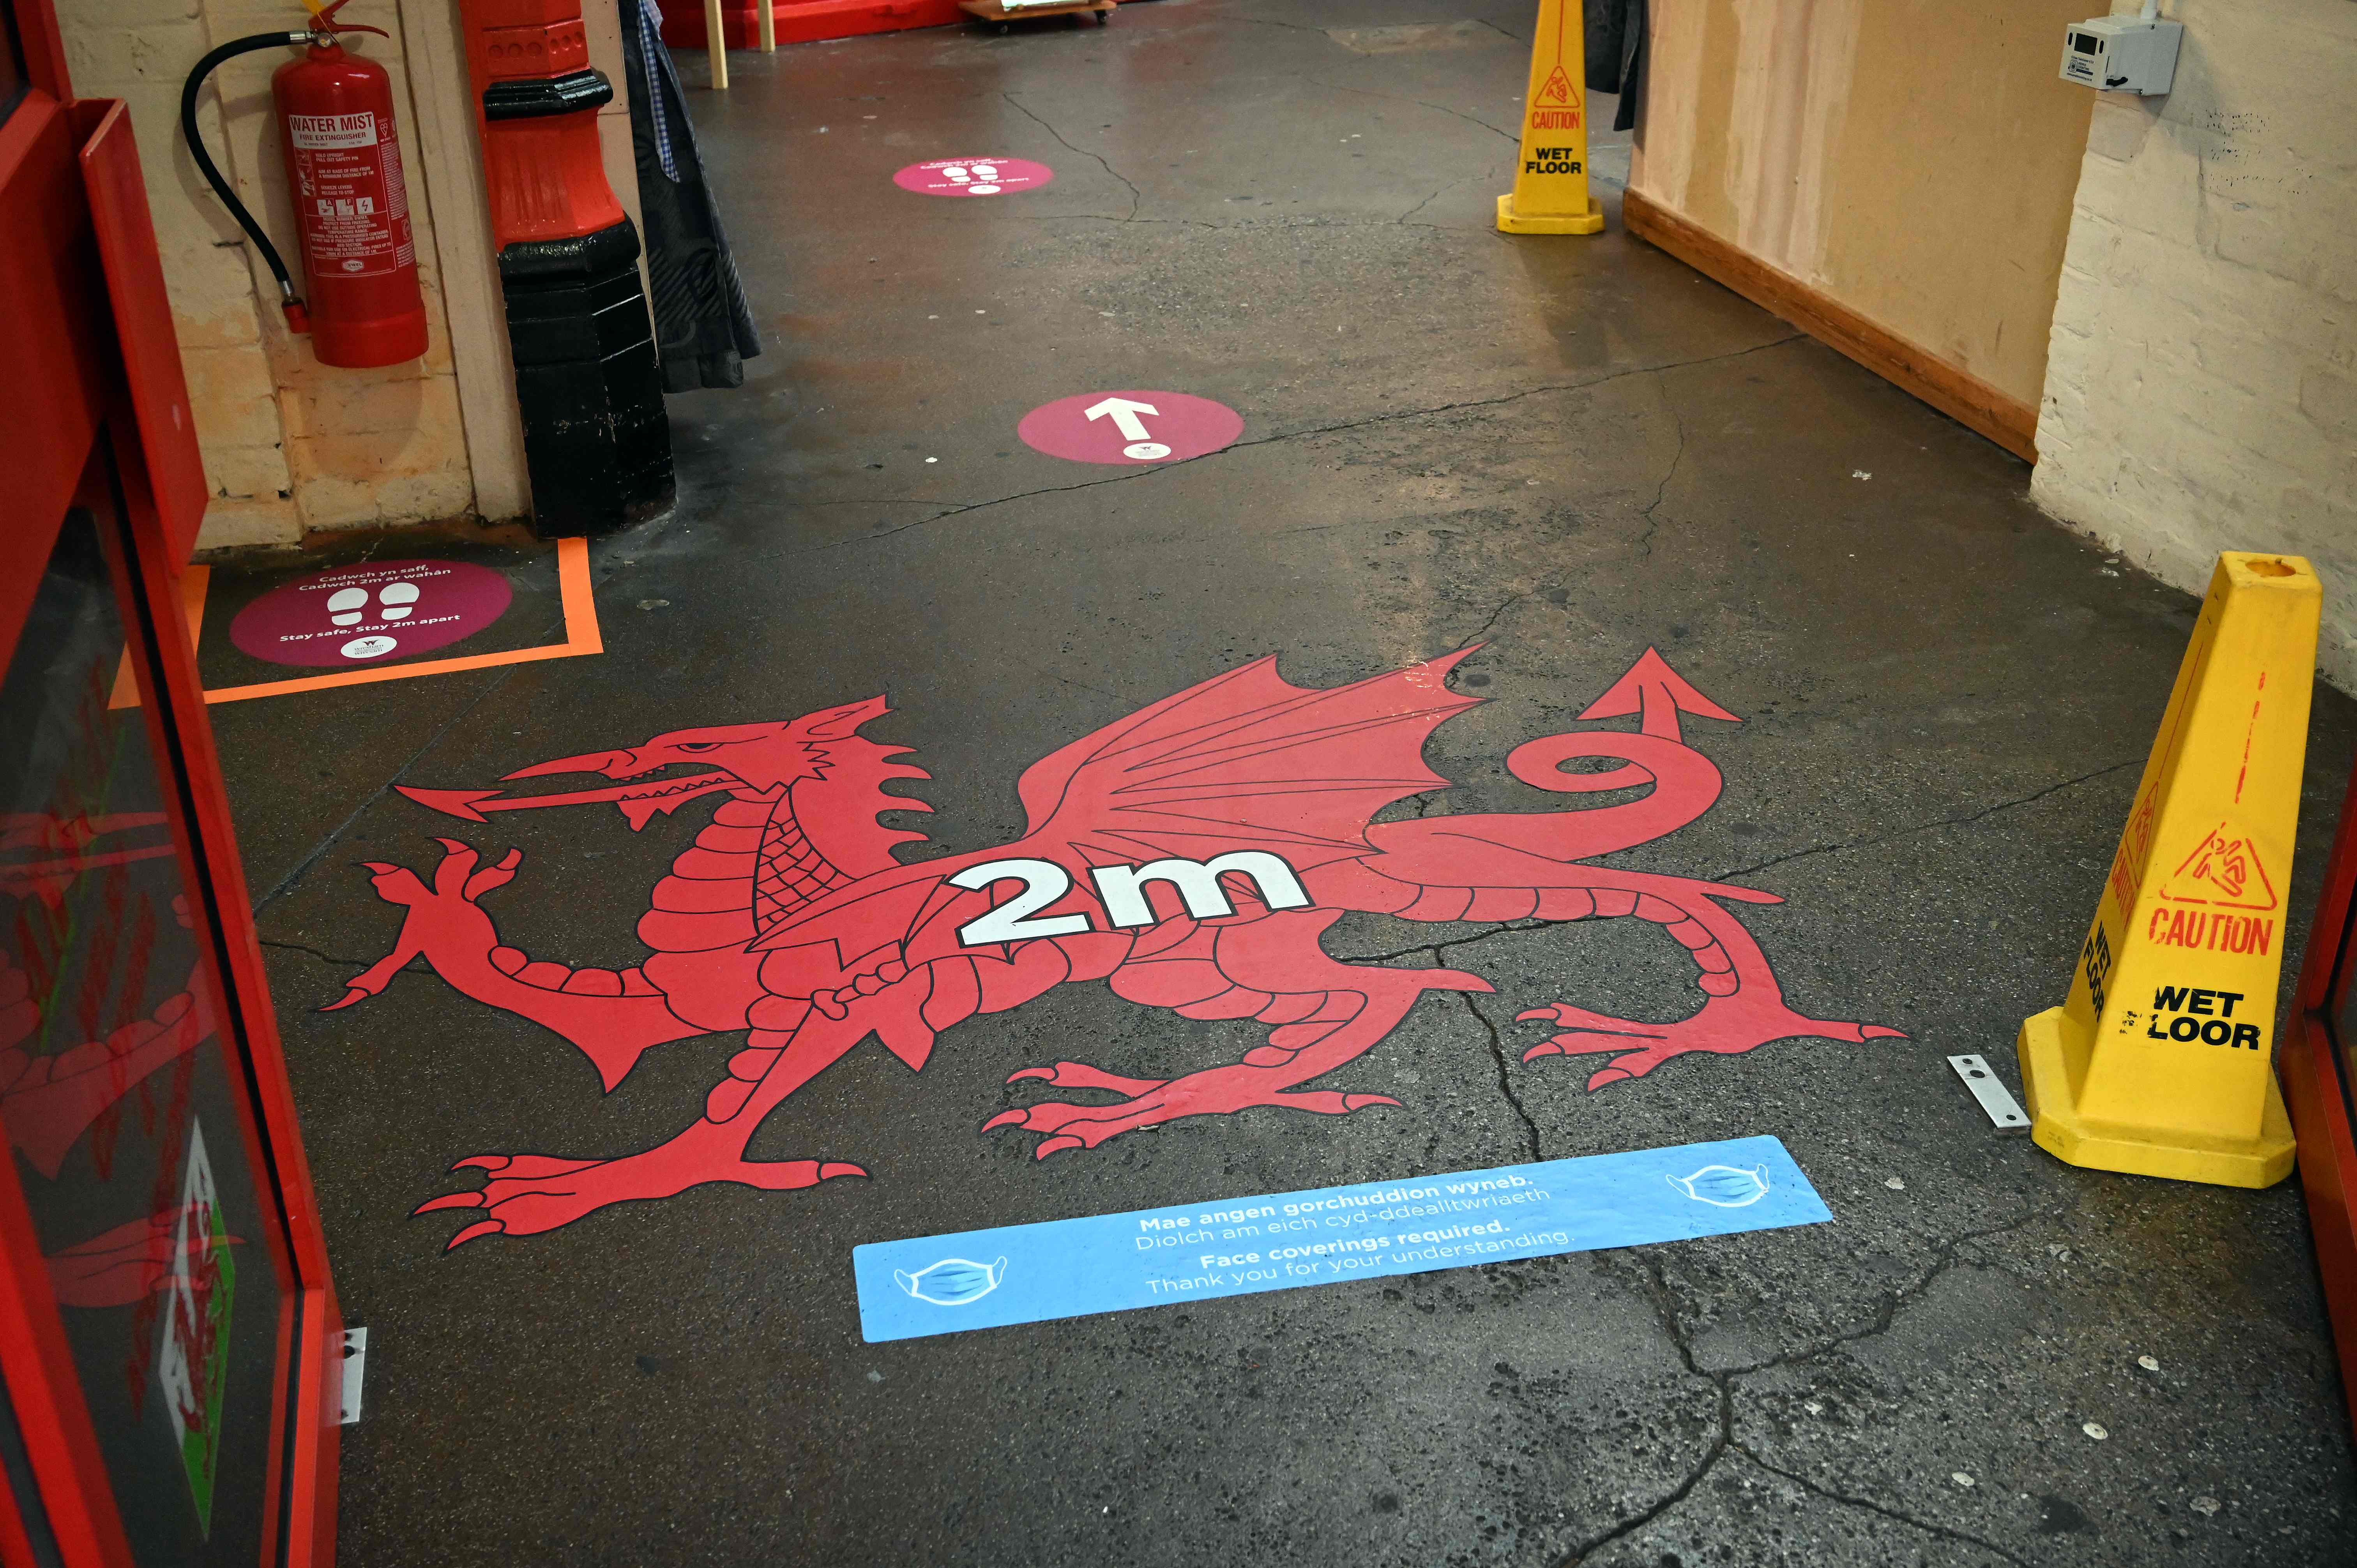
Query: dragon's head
x=750, y=761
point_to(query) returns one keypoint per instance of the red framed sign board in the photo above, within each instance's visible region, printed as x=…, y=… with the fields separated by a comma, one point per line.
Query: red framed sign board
x=2318, y=1065
x=171, y=1343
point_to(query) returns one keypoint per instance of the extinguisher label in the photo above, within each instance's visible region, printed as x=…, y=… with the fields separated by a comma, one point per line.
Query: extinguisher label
x=356, y=204
x=332, y=130
x=396, y=202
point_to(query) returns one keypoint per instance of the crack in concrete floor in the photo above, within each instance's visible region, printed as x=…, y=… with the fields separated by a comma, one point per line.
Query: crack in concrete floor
x=1505, y=1075
x=1873, y=839
x=1664, y=1300
x=1026, y=111
x=1389, y=416
x=1421, y=104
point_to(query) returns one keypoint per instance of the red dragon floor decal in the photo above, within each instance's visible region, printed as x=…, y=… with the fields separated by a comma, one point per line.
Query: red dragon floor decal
x=1191, y=855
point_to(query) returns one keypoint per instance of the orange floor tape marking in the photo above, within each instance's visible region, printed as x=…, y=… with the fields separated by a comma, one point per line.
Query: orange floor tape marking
x=581, y=636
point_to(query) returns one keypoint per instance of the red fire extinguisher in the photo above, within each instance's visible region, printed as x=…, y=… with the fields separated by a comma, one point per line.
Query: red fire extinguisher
x=350, y=198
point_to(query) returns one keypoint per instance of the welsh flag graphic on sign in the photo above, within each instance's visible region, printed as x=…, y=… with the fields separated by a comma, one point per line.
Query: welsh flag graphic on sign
x=193, y=1361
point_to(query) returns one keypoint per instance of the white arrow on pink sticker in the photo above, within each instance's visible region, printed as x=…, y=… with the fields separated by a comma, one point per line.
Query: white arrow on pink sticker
x=1130, y=427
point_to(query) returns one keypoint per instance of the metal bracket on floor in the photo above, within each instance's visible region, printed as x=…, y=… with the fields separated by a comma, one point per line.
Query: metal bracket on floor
x=355, y=1348
x=2004, y=1113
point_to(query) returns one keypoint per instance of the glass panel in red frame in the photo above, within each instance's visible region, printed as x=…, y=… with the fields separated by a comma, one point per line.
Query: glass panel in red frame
x=130, y=1123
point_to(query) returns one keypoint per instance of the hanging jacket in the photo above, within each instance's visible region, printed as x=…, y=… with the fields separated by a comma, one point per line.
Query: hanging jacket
x=1616, y=53
x=704, y=331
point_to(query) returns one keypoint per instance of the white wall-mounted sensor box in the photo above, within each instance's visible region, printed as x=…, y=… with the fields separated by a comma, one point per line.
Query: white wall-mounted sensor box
x=2122, y=54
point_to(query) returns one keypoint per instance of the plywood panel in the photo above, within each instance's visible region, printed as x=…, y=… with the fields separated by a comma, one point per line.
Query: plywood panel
x=1909, y=163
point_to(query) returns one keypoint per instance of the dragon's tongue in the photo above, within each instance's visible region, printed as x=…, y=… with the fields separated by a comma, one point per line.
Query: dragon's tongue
x=639, y=802
x=451, y=802
x=639, y=809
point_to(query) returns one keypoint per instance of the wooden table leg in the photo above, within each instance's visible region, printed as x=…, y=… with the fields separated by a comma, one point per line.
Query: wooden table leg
x=717, y=44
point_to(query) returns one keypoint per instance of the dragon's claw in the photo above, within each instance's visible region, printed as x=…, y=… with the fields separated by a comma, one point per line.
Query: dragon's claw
x=1727, y=1024
x=525, y=1166
x=444, y=921
x=1585, y=1042
x=528, y=1193
x=1216, y=1091
x=1080, y=1075
x=481, y=1227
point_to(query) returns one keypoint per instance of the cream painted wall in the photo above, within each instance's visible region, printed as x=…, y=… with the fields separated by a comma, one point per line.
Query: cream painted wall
x=138, y=50
x=443, y=99
x=291, y=445
x=2202, y=390
x=1912, y=160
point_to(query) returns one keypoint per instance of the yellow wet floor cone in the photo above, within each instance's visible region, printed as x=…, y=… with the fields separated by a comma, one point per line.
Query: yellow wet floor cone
x=1550, y=194
x=2162, y=1059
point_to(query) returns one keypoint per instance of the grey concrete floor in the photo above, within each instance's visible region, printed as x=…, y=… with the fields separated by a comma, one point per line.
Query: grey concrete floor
x=1568, y=450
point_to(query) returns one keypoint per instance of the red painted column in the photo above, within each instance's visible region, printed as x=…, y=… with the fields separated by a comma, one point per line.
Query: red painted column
x=587, y=384
x=546, y=179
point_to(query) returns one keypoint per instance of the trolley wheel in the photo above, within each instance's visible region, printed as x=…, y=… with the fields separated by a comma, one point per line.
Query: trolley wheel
x=1001, y=29
x=1100, y=17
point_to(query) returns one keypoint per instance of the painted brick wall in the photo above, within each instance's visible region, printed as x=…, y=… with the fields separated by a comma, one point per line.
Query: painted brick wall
x=289, y=444
x=2202, y=377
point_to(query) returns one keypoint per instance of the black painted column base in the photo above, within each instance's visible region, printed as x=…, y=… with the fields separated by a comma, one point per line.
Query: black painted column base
x=595, y=436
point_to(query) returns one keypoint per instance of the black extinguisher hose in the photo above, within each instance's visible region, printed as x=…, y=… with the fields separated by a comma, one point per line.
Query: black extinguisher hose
x=289, y=301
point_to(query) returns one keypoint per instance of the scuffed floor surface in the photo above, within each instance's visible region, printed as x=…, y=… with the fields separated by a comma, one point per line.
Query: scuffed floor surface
x=1565, y=450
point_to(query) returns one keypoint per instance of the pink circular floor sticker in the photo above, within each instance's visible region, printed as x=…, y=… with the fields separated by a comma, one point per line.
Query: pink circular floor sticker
x=1130, y=427
x=973, y=176
x=357, y=615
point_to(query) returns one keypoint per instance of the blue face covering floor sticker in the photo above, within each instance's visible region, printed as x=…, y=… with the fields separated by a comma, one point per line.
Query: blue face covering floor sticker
x=1114, y=1262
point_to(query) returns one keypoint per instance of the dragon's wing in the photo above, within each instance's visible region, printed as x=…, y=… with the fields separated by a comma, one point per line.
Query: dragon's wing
x=1246, y=760
x=1243, y=761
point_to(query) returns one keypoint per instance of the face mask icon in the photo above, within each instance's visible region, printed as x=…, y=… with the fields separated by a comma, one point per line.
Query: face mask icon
x=952, y=1281
x=1728, y=1187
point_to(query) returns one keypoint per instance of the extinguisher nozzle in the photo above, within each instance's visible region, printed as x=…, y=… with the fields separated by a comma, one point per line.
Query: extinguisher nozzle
x=298, y=316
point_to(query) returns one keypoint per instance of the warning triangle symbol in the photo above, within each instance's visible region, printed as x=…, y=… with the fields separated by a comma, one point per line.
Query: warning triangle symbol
x=1558, y=88
x=2224, y=871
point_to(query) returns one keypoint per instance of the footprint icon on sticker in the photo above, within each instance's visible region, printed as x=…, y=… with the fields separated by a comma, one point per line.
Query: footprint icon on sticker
x=952, y=1281
x=396, y=601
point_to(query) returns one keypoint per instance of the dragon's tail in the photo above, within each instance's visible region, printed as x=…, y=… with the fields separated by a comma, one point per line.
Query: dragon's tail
x=1680, y=782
